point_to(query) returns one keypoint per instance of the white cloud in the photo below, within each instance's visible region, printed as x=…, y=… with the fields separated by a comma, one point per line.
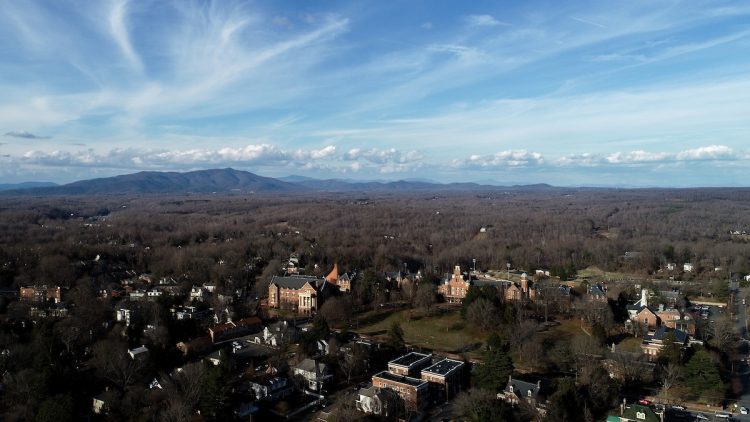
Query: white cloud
x=257, y=155
x=708, y=153
x=503, y=159
x=481, y=20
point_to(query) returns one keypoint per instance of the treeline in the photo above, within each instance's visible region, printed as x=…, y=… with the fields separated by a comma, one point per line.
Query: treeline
x=220, y=237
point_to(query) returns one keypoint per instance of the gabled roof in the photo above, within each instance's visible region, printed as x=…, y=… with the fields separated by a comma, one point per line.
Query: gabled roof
x=296, y=282
x=521, y=388
x=679, y=335
x=312, y=366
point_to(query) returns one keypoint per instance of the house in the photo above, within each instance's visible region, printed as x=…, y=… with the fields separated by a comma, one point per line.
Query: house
x=292, y=266
x=229, y=330
x=671, y=266
x=315, y=373
x=343, y=281
x=198, y=294
x=653, y=342
x=521, y=291
x=375, y=401
x=138, y=353
x=446, y=377
x=517, y=392
x=303, y=294
x=596, y=293
x=635, y=413
x=641, y=313
x=413, y=391
x=102, y=401
x=455, y=286
x=747, y=277
x=270, y=387
x=542, y=273
x=181, y=313
x=410, y=364
x=277, y=334
x=124, y=315
x=687, y=267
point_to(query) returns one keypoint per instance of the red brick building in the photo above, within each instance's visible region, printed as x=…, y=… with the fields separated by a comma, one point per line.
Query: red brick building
x=455, y=286
x=303, y=294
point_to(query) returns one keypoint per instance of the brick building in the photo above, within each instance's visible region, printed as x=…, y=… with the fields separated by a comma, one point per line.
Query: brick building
x=413, y=391
x=40, y=293
x=229, y=330
x=455, y=286
x=410, y=364
x=303, y=294
x=446, y=378
x=524, y=290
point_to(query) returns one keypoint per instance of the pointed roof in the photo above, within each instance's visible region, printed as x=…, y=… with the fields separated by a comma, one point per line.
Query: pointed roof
x=333, y=276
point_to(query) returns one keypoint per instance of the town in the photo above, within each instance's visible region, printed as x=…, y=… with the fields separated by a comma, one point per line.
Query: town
x=306, y=337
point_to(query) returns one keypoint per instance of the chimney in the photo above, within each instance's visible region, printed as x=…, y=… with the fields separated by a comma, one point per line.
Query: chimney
x=644, y=298
x=661, y=307
x=622, y=407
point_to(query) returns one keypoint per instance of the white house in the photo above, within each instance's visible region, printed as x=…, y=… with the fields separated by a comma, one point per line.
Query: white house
x=315, y=373
x=687, y=267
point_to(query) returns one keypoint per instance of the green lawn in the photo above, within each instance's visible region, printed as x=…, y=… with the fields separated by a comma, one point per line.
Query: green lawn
x=443, y=331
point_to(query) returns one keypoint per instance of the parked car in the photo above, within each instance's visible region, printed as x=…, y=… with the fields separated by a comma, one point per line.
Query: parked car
x=743, y=410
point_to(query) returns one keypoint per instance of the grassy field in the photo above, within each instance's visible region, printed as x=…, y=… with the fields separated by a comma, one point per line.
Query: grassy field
x=442, y=331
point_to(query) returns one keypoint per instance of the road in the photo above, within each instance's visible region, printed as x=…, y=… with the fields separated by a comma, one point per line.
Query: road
x=742, y=367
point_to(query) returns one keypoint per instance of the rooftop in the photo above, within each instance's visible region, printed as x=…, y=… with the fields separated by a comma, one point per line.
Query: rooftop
x=296, y=281
x=409, y=359
x=400, y=379
x=444, y=367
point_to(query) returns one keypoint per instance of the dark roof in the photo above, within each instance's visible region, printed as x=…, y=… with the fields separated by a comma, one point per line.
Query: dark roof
x=679, y=335
x=596, y=290
x=522, y=388
x=296, y=281
x=409, y=359
x=631, y=413
x=414, y=382
x=444, y=367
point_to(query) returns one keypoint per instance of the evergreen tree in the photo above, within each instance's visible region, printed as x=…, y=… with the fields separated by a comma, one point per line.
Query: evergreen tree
x=566, y=404
x=492, y=374
x=702, y=377
x=395, y=336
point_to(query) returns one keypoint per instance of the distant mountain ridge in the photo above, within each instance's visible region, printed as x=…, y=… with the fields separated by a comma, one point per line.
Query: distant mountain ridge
x=26, y=185
x=237, y=181
x=154, y=182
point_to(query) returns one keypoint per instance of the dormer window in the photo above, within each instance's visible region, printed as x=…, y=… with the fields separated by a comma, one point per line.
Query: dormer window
x=511, y=388
x=528, y=393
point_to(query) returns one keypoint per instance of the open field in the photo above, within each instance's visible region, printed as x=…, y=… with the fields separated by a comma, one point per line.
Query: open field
x=444, y=331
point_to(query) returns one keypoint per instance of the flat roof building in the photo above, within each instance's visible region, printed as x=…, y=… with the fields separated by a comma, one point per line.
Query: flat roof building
x=409, y=364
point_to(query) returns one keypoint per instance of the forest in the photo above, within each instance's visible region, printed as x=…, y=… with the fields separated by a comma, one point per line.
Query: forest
x=90, y=245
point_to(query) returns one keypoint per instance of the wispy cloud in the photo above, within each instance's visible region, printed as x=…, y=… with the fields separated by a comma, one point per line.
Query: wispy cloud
x=120, y=33
x=589, y=22
x=482, y=20
x=23, y=134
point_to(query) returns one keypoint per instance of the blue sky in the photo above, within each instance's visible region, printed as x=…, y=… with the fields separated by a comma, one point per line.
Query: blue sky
x=631, y=93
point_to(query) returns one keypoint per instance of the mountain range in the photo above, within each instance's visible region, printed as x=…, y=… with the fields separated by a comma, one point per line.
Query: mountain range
x=235, y=181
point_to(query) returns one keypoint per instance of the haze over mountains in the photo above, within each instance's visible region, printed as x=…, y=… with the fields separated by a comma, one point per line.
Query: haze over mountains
x=231, y=180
